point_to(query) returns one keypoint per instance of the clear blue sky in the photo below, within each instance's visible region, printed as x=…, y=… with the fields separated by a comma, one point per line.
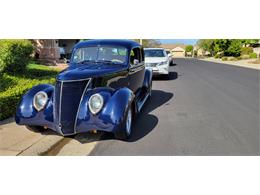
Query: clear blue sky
x=184, y=41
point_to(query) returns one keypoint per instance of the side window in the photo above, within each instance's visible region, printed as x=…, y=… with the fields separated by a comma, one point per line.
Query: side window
x=135, y=54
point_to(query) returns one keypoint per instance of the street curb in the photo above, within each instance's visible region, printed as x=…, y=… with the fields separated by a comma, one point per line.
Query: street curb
x=233, y=63
x=81, y=144
x=42, y=146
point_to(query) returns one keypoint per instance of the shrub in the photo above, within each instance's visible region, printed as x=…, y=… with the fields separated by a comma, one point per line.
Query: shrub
x=244, y=57
x=219, y=55
x=224, y=58
x=14, y=55
x=246, y=50
x=253, y=55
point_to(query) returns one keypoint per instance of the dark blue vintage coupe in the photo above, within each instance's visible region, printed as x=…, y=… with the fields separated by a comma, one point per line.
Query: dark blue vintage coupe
x=104, y=87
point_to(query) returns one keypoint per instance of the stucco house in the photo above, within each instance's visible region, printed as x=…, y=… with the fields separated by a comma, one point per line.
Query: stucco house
x=53, y=50
x=177, y=50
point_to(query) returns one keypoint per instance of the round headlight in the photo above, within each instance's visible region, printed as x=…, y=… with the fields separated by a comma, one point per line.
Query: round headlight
x=40, y=100
x=95, y=103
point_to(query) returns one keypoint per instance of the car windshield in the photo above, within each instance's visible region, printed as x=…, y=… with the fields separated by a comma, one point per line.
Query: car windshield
x=154, y=53
x=100, y=54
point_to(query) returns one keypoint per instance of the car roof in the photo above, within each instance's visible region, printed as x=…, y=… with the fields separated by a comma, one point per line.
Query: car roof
x=121, y=42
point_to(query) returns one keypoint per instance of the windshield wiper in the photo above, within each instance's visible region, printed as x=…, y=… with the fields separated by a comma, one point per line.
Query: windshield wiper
x=107, y=61
x=85, y=61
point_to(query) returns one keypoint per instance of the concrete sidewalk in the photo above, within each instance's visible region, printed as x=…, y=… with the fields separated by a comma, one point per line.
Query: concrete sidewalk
x=242, y=63
x=18, y=140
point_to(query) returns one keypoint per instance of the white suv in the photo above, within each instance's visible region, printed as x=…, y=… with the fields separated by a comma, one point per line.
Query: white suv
x=158, y=60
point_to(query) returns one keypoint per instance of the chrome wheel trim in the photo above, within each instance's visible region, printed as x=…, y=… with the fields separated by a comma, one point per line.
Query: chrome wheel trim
x=129, y=122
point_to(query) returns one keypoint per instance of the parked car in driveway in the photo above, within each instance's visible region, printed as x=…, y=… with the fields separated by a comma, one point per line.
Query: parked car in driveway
x=157, y=60
x=170, y=57
x=104, y=87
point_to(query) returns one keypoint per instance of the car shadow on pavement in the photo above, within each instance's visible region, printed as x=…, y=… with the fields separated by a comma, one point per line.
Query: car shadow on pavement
x=145, y=122
x=172, y=76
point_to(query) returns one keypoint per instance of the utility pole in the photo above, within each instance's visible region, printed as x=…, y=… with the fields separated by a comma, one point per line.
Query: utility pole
x=141, y=41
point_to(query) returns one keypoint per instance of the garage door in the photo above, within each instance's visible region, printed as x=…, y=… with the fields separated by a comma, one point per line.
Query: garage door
x=178, y=54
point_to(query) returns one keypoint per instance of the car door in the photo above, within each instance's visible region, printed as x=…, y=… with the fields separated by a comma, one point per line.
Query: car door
x=136, y=69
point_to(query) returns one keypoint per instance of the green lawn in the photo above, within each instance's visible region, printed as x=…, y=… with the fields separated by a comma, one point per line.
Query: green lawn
x=12, y=87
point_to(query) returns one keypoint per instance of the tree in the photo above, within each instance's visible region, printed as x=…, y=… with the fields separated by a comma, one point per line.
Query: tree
x=189, y=48
x=149, y=42
x=227, y=47
x=220, y=45
x=234, y=48
x=249, y=42
x=206, y=45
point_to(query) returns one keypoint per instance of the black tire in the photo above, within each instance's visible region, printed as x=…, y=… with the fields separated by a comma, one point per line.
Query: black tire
x=167, y=76
x=122, y=133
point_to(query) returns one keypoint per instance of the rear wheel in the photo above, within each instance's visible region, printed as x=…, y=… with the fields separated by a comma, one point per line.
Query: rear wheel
x=126, y=128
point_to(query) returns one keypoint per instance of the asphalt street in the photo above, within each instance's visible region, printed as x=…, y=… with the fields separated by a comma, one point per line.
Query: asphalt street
x=204, y=108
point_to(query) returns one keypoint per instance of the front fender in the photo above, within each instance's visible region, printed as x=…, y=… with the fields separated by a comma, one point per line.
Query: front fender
x=110, y=117
x=26, y=114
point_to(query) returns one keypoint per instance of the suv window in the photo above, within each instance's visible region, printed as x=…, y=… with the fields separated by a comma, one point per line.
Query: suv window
x=135, y=54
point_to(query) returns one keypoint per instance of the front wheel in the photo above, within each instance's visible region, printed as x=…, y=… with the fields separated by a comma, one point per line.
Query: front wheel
x=126, y=128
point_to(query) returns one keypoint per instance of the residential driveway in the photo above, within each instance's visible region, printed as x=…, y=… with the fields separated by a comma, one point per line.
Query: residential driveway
x=205, y=108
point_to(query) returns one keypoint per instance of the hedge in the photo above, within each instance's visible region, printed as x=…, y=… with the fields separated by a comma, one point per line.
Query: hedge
x=11, y=97
x=13, y=87
x=14, y=55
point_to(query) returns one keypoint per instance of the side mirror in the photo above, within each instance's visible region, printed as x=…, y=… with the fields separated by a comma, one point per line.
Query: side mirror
x=136, y=61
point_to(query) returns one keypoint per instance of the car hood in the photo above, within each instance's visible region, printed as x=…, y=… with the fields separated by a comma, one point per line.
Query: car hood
x=155, y=59
x=83, y=71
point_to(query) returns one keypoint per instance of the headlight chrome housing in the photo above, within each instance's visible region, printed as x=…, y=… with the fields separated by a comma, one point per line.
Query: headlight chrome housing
x=40, y=100
x=95, y=103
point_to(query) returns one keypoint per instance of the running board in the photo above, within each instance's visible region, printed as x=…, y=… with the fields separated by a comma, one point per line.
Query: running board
x=142, y=103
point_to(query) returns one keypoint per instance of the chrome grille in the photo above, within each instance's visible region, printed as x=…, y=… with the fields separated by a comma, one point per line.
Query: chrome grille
x=67, y=99
x=151, y=64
